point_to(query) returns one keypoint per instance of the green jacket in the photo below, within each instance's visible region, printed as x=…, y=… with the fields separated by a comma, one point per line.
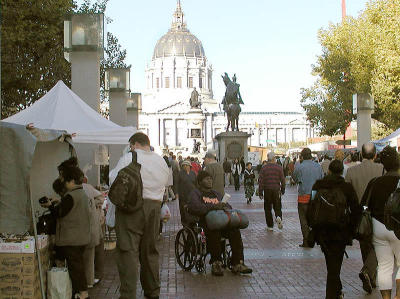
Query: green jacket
x=217, y=172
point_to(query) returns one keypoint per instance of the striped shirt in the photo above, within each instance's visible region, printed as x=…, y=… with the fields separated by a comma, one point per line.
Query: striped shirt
x=272, y=178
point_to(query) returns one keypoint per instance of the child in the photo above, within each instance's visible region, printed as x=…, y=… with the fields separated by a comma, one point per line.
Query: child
x=249, y=182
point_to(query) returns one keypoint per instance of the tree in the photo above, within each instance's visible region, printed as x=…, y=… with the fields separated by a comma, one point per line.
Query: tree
x=359, y=55
x=32, y=51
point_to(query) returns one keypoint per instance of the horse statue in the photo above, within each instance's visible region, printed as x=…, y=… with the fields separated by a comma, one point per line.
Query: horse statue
x=231, y=102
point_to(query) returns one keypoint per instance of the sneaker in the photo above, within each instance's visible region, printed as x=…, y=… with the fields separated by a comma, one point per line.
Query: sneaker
x=90, y=286
x=270, y=229
x=96, y=281
x=367, y=286
x=241, y=268
x=279, y=222
x=216, y=269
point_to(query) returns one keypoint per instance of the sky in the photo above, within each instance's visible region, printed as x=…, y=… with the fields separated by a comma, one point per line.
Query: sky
x=270, y=45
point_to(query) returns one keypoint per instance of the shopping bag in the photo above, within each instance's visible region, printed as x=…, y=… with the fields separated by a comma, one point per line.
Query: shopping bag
x=59, y=284
x=110, y=216
x=165, y=213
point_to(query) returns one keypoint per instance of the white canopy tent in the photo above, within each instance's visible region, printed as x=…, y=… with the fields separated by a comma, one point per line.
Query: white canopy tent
x=62, y=109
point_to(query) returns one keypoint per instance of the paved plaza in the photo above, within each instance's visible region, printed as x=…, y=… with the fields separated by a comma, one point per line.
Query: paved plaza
x=281, y=269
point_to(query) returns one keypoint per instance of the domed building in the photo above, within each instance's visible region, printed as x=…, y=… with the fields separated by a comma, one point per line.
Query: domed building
x=178, y=67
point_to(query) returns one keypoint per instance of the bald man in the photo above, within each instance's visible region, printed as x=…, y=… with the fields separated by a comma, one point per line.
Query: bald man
x=359, y=176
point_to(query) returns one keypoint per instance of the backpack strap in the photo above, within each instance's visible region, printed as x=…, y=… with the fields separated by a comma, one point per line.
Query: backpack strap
x=134, y=157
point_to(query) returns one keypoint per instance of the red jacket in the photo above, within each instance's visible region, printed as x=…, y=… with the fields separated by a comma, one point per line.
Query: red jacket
x=195, y=167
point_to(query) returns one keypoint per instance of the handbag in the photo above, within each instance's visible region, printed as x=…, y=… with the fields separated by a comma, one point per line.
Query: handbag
x=58, y=283
x=226, y=219
x=364, y=228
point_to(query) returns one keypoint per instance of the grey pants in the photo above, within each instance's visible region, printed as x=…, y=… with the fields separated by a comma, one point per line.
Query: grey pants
x=138, y=244
x=303, y=207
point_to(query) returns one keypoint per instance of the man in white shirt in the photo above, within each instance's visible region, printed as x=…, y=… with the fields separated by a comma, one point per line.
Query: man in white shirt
x=137, y=232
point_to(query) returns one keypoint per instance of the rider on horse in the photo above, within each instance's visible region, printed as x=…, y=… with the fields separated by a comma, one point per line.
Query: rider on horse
x=232, y=101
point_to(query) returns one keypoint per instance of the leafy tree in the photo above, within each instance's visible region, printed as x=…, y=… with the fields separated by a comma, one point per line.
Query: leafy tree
x=32, y=51
x=359, y=55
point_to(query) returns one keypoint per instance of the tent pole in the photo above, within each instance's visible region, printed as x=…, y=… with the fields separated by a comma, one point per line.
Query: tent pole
x=37, y=249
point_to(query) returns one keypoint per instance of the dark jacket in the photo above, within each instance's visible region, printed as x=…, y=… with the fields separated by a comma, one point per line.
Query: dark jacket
x=186, y=184
x=382, y=187
x=217, y=172
x=227, y=167
x=345, y=235
x=198, y=207
x=249, y=177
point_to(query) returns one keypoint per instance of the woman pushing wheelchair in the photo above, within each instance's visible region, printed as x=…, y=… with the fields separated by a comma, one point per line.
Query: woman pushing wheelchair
x=204, y=200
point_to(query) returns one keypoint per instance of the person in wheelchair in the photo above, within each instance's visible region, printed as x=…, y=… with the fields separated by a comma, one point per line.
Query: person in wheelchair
x=203, y=200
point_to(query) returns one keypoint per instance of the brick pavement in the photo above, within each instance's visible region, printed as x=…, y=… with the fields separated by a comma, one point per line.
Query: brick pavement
x=280, y=268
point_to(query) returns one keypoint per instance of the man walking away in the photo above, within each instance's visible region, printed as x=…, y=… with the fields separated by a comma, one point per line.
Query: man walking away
x=305, y=175
x=216, y=171
x=334, y=238
x=359, y=176
x=272, y=181
x=137, y=231
x=227, y=169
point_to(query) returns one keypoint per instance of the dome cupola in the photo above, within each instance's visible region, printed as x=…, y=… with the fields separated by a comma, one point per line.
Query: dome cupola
x=178, y=41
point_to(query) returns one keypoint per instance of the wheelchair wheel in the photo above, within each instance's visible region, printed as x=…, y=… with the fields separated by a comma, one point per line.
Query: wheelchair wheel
x=186, y=249
x=201, y=264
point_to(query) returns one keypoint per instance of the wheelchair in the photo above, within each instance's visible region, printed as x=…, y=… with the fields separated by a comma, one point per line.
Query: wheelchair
x=191, y=249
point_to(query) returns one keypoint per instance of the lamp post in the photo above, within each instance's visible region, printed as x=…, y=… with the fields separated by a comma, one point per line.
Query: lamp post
x=117, y=85
x=83, y=48
x=363, y=106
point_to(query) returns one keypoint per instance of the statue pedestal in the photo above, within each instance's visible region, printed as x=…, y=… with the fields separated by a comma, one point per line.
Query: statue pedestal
x=195, y=125
x=232, y=145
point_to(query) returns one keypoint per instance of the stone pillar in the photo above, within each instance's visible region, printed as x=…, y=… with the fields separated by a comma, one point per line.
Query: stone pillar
x=118, y=115
x=85, y=82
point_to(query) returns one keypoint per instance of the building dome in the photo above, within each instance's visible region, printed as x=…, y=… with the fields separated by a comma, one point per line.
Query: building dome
x=178, y=43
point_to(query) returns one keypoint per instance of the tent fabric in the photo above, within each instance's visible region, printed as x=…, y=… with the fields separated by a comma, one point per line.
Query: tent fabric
x=18, y=148
x=395, y=134
x=62, y=109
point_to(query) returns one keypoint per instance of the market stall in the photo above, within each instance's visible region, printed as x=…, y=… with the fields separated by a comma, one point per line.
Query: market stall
x=28, y=166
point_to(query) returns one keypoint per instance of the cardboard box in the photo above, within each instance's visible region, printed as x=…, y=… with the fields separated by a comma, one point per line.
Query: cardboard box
x=25, y=246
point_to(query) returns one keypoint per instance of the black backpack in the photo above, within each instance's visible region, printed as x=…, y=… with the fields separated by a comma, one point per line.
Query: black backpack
x=126, y=192
x=328, y=209
x=392, y=212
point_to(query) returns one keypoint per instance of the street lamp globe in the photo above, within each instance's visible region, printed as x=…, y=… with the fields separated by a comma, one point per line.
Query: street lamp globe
x=117, y=79
x=84, y=32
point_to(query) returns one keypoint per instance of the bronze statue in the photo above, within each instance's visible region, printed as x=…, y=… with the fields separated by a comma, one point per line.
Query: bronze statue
x=194, y=99
x=231, y=102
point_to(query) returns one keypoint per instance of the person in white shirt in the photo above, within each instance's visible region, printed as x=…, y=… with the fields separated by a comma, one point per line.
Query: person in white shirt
x=137, y=232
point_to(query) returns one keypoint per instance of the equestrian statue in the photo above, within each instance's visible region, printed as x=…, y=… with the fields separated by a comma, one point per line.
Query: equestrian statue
x=232, y=101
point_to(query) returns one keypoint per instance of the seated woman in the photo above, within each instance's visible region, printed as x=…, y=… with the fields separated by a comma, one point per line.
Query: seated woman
x=202, y=201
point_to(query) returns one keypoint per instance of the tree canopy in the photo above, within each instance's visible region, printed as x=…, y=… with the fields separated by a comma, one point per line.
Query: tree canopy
x=359, y=55
x=32, y=49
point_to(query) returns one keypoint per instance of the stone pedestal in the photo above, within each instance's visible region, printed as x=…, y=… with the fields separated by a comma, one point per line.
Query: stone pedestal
x=195, y=124
x=232, y=145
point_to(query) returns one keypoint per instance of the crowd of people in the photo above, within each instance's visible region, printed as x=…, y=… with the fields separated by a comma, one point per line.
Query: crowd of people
x=359, y=180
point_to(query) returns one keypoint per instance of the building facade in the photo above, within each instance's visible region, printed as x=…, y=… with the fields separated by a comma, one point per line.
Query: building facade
x=178, y=66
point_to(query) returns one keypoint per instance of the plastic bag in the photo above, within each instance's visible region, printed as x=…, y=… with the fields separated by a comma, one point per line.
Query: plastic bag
x=59, y=284
x=110, y=217
x=165, y=213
